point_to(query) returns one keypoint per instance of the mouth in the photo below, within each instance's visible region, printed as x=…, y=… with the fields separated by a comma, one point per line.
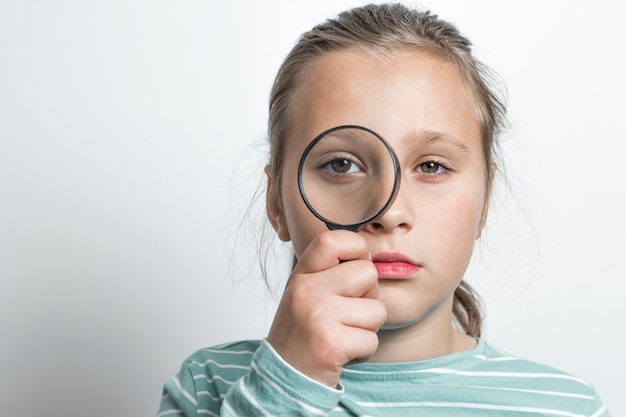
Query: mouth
x=394, y=265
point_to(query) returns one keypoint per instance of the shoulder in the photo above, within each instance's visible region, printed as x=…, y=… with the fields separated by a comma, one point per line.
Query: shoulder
x=204, y=378
x=230, y=358
x=215, y=369
x=498, y=359
x=546, y=385
x=490, y=358
x=241, y=348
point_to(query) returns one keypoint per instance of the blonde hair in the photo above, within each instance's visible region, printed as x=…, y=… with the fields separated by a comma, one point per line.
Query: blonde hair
x=382, y=30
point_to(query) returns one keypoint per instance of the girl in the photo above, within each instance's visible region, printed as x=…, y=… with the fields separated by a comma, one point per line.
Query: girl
x=380, y=322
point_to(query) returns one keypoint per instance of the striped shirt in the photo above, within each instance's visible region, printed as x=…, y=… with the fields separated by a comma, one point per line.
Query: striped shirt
x=249, y=379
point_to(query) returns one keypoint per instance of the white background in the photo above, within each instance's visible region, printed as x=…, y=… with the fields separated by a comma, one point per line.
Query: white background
x=129, y=152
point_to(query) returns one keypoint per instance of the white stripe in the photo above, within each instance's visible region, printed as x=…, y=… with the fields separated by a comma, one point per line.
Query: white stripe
x=215, y=399
x=286, y=394
x=471, y=405
x=184, y=392
x=518, y=375
x=532, y=391
x=168, y=412
x=207, y=412
x=224, y=345
x=448, y=371
x=226, y=381
x=229, y=409
x=500, y=359
x=252, y=400
x=342, y=409
x=229, y=352
x=599, y=412
x=220, y=365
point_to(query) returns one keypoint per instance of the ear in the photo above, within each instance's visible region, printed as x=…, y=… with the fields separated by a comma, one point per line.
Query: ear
x=274, y=207
x=483, y=216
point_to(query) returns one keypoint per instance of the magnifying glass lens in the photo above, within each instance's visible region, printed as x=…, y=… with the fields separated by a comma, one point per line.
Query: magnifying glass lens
x=348, y=177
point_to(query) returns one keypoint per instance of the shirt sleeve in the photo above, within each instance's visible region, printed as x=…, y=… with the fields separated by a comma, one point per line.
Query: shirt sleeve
x=275, y=388
x=179, y=395
x=599, y=408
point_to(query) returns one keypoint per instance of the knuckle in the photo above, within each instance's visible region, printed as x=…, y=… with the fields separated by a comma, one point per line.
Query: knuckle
x=299, y=293
x=328, y=348
x=316, y=318
x=324, y=240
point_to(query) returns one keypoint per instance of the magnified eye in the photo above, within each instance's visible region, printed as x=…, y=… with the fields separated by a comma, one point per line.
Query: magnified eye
x=342, y=166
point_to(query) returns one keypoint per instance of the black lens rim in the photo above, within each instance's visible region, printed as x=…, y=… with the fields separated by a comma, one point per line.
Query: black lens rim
x=354, y=227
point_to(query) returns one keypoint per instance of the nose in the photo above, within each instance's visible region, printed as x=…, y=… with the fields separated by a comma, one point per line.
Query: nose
x=399, y=217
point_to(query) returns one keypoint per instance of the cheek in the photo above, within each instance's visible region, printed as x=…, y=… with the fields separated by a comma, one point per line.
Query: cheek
x=303, y=226
x=458, y=222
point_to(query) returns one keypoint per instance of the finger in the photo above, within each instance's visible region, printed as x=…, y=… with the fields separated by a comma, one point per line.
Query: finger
x=359, y=344
x=358, y=278
x=362, y=313
x=331, y=248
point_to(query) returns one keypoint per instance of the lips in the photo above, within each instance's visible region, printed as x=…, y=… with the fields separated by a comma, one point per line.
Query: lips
x=394, y=266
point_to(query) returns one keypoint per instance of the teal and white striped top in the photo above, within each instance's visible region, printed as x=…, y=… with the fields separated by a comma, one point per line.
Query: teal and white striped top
x=249, y=379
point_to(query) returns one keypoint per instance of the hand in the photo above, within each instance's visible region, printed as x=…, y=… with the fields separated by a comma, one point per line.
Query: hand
x=329, y=313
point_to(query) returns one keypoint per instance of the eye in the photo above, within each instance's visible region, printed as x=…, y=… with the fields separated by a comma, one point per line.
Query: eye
x=432, y=168
x=342, y=166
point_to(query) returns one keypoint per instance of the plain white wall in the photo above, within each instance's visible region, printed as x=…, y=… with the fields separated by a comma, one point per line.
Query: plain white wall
x=128, y=154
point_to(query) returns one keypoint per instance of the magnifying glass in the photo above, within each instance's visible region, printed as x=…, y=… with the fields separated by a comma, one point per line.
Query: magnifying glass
x=348, y=177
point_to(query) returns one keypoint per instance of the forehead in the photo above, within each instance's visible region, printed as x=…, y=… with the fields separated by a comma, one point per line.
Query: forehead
x=393, y=95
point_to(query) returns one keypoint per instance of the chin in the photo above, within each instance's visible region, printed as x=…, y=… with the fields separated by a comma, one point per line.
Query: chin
x=397, y=325
x=393, y=326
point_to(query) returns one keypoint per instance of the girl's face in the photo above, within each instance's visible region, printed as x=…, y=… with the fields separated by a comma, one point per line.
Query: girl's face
x=420, y=105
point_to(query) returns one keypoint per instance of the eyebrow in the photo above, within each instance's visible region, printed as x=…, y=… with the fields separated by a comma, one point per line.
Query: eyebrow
x=431, y=137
